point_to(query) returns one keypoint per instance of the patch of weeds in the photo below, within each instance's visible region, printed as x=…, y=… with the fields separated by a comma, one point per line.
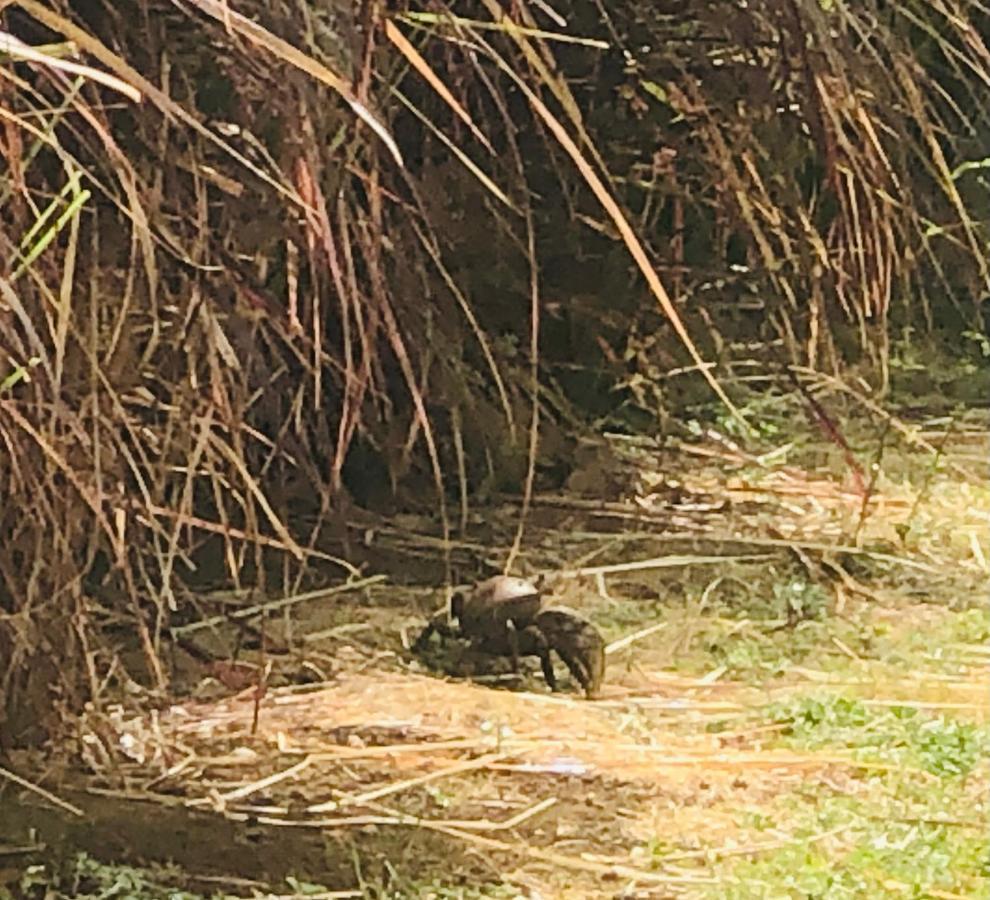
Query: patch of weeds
x=751, y=654
x=887, y=838
x=304, y=888
x=970, y=626
x=437, y=890
x=912, y=638
x=797, y=870
x=759, y=413
x=798, y=599
x=868, y=643
x=786, y=596
x=842, y=852
x=941, y=746
x=777, y=592
x=815, y=721
x=966, y=626
x=950, y=748
x=758, y=820
x=440, y=797
x=759, y=652
x=87, y=879
x=655, y=850
x=390, y=883
x=615, y=619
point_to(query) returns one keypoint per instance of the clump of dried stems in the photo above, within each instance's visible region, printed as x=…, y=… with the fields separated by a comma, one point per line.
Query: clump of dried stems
x=261, y=257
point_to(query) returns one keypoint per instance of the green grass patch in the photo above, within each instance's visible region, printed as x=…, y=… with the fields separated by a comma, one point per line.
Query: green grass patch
x=88, y=879
x=937, y=744
x=917, y=824
x=884, y=642
x=871, y=845
x=85, y=878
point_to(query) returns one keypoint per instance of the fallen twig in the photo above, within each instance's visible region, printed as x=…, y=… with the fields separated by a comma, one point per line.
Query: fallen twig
x=41, y=792
x=276, y=604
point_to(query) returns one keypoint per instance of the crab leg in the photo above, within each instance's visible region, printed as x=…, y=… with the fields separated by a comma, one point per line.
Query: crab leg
x=542, y=650
x=579, y=671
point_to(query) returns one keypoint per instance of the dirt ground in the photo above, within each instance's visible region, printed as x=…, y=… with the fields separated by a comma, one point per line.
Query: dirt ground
x=795, y=705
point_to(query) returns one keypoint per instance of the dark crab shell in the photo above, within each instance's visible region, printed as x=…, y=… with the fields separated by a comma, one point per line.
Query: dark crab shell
x=488, y=607
x=504, y=588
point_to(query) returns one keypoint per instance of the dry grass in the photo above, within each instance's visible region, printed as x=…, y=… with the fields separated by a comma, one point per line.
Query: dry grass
x=264, y=268
x=665, y=783
x=212, y=315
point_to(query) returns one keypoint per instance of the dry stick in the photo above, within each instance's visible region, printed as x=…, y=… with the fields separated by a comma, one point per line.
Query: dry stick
x=629, y=639
x=423, y=67
x=559, y=859
x=23, y=849
x=426, y=541
x=245, y=790
x=657, y=562
x=401, y=352
x=936, y=458
x=276, y=604
x=757, y=847
x=912, y=436
x=760, y=542
x=422, y=19
x=462, y=831
x=395, y=787
x=461, y=459
x=831, y=432
x=12, y=46
x=171, y=771
x=395, y=817
x=512, y=822
x=261, y=687
x=353, y=753
x=871, y=487
x=228, y=532
x=237, y=461
x=718, y=756
x=41, y=792
x=534, y=355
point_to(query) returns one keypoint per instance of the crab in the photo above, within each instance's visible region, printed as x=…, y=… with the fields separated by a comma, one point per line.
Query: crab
x=509, y=617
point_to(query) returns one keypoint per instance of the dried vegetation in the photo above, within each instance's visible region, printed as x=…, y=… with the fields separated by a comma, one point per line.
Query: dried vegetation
x=295, y=294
